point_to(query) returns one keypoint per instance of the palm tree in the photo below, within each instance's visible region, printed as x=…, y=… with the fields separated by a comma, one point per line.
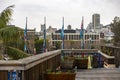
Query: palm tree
x=7, y=33
x=5, y=16
x=10, y=35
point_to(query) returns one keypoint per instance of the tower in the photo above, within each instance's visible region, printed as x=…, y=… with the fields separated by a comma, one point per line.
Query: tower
x=42, y=27
x=96, y=21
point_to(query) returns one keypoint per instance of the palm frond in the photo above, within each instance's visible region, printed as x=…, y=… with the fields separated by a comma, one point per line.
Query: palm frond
x=5, y=16
x=9, y=34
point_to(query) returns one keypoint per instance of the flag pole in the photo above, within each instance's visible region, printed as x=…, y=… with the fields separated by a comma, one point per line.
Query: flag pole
x=25, y=37
x=82, y=34
x=62, y=38
x=62, y=33
x=44, y=44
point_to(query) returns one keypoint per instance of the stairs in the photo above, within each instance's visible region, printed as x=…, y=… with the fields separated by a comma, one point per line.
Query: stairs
x=98, y=74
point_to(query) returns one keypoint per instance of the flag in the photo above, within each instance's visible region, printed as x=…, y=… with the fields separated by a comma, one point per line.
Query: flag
x=25, y=36
x=81, y=31
x=62, y=34
x=81, y=34
x=44, y=43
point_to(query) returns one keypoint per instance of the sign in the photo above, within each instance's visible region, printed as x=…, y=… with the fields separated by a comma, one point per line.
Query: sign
x=14, y=75
x=8, y=75
x=19, y=75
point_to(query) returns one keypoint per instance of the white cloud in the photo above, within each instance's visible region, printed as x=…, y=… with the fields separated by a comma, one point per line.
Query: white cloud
x=54, y=10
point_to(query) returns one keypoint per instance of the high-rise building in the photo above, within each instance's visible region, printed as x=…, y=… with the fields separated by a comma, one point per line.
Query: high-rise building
x=42, y=27
x=96, y=21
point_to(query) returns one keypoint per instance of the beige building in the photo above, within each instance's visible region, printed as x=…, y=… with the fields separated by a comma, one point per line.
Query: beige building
x=51, y=30
x=72, y=40
x=30, y=39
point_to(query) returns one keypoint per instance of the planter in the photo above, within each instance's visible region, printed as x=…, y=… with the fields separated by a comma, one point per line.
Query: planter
x=67, y=64
x=81, y=63
x=60, y=76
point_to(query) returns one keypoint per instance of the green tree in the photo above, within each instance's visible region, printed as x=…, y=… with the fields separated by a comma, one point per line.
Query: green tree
x=8, y=34
x=58, y=45
x=116, y=30
x=39, y=45
x=5, y=16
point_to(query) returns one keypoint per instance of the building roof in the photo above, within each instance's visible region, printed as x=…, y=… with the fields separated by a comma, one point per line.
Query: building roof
x=66, y=31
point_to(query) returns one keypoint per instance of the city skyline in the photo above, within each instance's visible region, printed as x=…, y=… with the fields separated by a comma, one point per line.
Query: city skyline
x=54, y=10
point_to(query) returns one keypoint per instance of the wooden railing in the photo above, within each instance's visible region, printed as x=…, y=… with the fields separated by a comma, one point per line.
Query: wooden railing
x=78, y=52
x=115, y=52
x=30, y=68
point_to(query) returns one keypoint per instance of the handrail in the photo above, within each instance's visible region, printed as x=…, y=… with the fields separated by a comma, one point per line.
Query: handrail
x=82, y=50
x=26, y=63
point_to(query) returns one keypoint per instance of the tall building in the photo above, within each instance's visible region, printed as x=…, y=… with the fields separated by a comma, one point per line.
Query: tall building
x=42, y=27
x=96, y=21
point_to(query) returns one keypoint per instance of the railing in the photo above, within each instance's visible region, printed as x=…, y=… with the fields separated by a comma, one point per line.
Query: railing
x=78, y=52
x=115, y=51
x=30, y=68
x=108, y=61
x=34, y=67
x=100, y=57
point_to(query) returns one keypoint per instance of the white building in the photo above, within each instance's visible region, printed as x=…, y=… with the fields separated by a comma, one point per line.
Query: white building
x=72, y=39
x=108, y=36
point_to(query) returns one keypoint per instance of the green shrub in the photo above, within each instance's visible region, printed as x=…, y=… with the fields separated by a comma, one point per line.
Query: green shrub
x=15, y=53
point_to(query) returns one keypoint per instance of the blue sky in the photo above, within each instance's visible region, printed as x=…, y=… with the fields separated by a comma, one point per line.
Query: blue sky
x=54, y=10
